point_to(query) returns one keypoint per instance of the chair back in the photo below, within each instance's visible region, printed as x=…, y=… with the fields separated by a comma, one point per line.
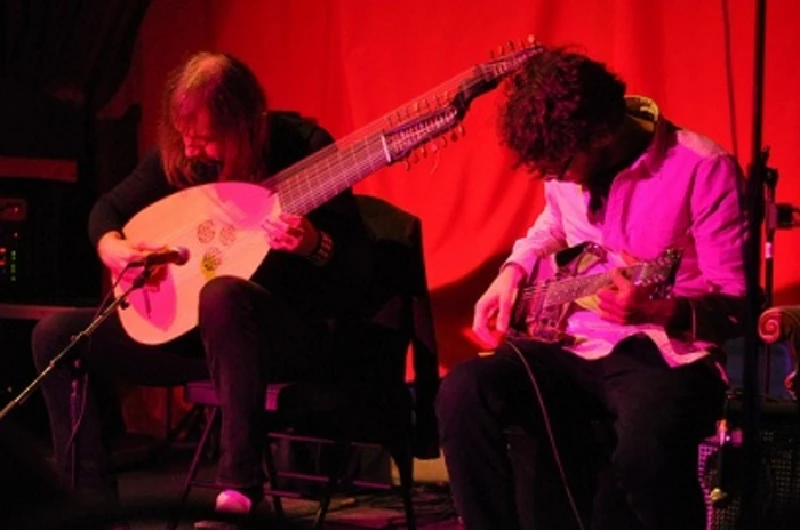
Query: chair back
x=400, y=312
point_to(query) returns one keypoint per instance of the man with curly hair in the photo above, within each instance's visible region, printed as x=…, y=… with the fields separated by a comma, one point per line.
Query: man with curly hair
x=645, y=370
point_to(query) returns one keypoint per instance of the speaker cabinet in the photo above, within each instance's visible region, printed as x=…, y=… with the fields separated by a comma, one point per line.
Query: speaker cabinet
x=779, y=471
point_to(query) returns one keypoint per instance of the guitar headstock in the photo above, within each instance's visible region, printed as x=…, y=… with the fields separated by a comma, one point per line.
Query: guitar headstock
x=411, y=132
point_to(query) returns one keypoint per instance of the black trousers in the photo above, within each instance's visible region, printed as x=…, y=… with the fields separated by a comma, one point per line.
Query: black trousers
x=657, y=416
x=249, y=337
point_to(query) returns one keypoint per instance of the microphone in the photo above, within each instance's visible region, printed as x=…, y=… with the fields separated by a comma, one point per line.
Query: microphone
x=174, y=256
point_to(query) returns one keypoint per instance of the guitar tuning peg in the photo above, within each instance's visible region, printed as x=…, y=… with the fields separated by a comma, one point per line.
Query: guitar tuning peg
x=461, y=129
x=423, y=151
x=491, y=54
x=408, y=164
x=453, y=136
x=416, y=107
x=443, y=139
x=511, y=45
x=389, y=121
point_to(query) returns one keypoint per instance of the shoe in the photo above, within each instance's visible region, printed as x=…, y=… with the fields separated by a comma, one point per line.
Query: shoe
x=230, y=502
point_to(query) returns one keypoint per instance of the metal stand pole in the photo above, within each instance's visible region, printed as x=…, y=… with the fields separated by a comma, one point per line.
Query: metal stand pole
x=755, y=190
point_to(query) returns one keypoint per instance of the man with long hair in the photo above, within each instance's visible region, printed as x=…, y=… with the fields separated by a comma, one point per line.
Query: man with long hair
x=215, y=126
x=647, y=368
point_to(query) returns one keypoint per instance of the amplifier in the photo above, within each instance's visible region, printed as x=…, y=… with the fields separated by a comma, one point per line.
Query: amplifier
x=14, y=254
x=779, y=473
x=45, y=254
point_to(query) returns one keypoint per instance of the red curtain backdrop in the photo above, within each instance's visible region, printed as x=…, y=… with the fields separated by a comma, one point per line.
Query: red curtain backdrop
x=348, y=62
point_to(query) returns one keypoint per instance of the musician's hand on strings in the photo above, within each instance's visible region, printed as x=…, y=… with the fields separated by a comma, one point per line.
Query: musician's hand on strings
x=495, y=305
x=292, y=233
x=625, y=303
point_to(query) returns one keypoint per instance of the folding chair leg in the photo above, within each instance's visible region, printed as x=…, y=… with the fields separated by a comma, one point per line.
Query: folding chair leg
x=345, y=450
x=187, y=485
x=272, y=471
x=401, y=454
x=185, y=425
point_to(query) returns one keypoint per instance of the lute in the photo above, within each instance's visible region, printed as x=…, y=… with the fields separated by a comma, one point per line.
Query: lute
x=221, y=223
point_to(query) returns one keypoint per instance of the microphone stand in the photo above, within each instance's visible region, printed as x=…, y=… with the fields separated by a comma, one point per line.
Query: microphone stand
x=771, y=223
x=752, y=255
x=77, y=392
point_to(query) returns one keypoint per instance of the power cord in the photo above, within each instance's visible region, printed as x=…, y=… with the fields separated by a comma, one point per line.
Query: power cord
x=550, y=436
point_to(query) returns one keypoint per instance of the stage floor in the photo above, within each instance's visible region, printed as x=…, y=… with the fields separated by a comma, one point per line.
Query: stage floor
x=160, y=483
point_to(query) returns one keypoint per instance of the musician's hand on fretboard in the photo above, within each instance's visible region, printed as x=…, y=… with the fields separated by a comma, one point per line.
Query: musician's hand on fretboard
x=626, y=303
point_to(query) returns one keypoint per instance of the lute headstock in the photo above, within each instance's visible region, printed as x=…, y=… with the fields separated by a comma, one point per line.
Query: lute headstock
x=401, y=138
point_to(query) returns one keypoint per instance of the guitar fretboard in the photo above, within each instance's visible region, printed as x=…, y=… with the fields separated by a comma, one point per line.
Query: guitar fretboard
x=340, y=167
x=563, y=291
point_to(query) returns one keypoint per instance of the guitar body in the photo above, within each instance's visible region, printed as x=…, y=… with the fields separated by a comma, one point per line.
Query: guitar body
x=221, y=226
x=533, y=317
x=571, y=277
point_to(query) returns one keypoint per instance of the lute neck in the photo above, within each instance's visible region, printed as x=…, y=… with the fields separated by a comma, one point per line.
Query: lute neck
x=328, y=173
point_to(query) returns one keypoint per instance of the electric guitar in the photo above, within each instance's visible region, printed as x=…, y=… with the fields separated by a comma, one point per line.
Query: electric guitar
x=542, y=306
x=221, y=223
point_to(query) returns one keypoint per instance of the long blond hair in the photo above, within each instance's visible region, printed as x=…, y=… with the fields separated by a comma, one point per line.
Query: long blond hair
x=231, y=94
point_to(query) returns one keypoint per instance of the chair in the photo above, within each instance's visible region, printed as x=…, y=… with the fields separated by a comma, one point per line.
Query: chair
x=780, y=325
x=396, y=419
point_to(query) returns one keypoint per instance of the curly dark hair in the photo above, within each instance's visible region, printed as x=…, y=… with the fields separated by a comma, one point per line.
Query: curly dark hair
x=556, y=105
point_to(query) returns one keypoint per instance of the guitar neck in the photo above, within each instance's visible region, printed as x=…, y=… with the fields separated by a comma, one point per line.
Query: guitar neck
x=328, y=173
x=564, y=291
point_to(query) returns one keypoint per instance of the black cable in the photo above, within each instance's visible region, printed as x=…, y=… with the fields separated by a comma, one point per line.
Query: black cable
x=550, y=436
x=726, y=26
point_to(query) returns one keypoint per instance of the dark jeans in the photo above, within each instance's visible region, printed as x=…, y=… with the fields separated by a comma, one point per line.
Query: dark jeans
x=249, y=336
x=657, y=416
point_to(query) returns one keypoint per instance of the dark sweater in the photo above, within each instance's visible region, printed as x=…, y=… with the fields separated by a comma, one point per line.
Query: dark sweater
x=334, y=289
